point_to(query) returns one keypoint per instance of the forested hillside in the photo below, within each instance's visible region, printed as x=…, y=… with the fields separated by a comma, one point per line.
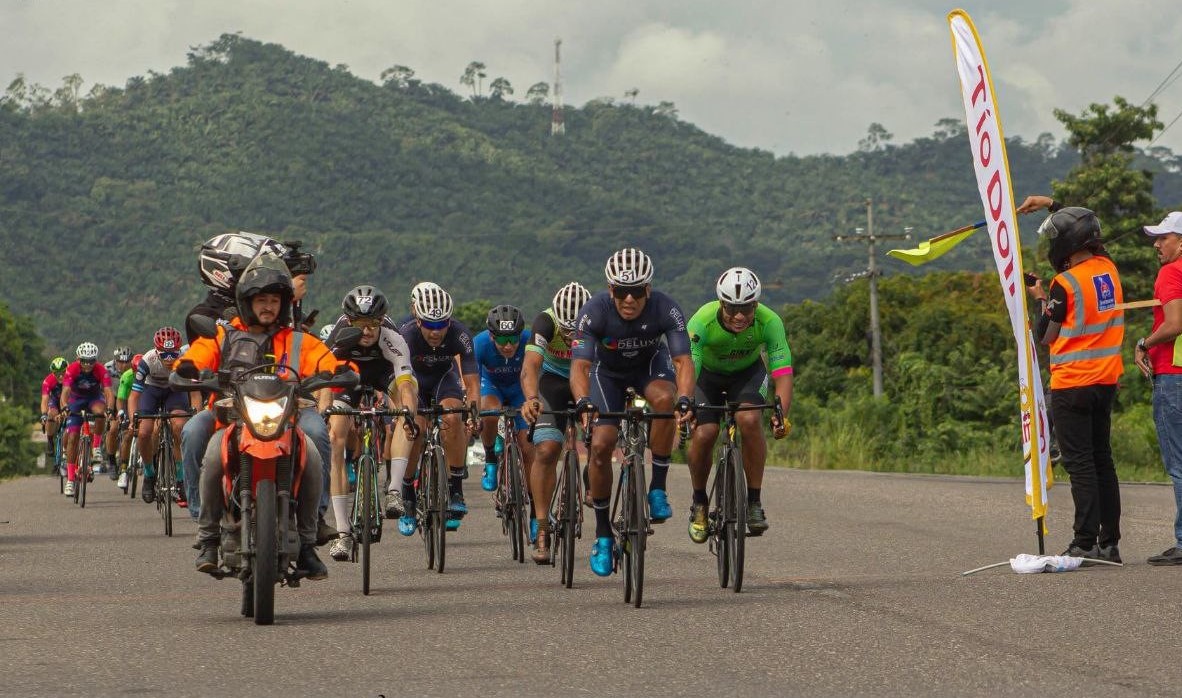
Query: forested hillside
x=106, y=197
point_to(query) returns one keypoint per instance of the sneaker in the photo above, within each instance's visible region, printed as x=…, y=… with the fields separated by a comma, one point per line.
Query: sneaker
x=342, y=548
x=179, y=496
x=658, y=506
x=533, y=531
x=456, y=508
x=603, y=556
x=207, y=559
x=408, y=523
x=1074, y=550
x=1172, y=556
x=1109, y=553
x=122, y=482
x=488, y=483
x=69, y=491
x=325, y=532
x=394, y=505
x=309, y=563
x=699, y=528
x=148, y=490
x=756, y=519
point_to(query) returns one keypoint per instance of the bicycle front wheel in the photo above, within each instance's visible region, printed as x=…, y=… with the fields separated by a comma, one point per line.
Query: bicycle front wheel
x=133, y=468
x=366, y=490
x=83, y=474
x=722, y=517
x=439, y=505
x=426, y=486
x=515, y=513
x=165, y=481
x=637, y=533
x=568, y=517
x=738, y=495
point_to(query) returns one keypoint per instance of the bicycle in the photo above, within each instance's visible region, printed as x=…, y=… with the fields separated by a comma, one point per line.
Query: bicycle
x=431, y=486
x=631, y=524
x=134, y=465
x=565, y=511
x=59, y=458
x=164, y=464
x=512, y=494
x=367, y=516
x=84, y=474
x=727, y=515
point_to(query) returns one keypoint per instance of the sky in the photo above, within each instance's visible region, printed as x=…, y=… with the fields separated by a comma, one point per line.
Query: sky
x=788, y=76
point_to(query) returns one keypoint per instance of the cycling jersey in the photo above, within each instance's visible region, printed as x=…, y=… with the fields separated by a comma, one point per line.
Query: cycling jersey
x=717, y=349
x=150, y=371
x=125, y=382
x=52, y=388
x=494, y=367
x=431, y=364
x=549, y=342
x=89, y=384
x=388, y=360
x=619, y=345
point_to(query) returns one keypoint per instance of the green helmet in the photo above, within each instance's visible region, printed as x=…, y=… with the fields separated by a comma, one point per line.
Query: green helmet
x=58, y=364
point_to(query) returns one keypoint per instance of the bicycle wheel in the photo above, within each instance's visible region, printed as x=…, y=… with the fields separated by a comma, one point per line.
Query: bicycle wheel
x=722, y=515
x=439, y=507
x=568, y=517
x=57, y=460
x=83, y=474
x=133, y=467
x=366, y=472
x=164, y=484
x=515, y=514
x=426, y=485
x=638, y=531
x=738, y=526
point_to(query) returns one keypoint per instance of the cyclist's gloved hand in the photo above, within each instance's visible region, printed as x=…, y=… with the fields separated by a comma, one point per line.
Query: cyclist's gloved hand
x=685, y=404
x=781, y=428
x=44, y=417
x=584, y=406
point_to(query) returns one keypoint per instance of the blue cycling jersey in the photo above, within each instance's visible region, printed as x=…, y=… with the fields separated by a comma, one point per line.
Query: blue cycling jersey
x=494, y=367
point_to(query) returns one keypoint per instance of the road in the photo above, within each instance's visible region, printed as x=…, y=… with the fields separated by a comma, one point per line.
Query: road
x=856, y=590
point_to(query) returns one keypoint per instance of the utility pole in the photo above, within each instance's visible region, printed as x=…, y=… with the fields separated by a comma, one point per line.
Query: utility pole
x=557, y=123
x=867, y=235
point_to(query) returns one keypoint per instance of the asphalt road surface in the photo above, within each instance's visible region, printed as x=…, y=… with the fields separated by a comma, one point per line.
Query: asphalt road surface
x=855, y=590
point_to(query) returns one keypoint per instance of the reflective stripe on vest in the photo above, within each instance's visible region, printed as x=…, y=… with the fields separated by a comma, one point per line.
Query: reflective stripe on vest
x=1088, y=348
x=1079, y=328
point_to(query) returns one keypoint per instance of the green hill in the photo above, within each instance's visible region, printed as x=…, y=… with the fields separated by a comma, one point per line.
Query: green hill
x=105, y=198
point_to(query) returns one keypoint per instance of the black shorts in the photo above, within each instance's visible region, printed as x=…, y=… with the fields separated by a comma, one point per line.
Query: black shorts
x=745, y=387
x=608, y=387
x=554, y=392
x=447, y=386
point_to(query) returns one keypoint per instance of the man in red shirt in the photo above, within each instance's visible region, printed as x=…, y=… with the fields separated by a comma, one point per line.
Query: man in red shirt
x=1159, y=359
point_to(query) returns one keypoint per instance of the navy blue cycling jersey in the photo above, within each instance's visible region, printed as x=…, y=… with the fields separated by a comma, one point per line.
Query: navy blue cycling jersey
x=602, y=336
x=430, y=364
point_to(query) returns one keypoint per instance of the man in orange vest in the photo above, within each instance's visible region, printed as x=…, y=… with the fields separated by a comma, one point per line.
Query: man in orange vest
x=1081, y=323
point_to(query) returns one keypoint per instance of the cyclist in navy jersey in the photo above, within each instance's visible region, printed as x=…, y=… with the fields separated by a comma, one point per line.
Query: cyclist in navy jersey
x=617, y=345
x=436, y=341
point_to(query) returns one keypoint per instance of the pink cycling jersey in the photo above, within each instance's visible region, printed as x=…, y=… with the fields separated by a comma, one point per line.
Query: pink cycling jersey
x=90, y=383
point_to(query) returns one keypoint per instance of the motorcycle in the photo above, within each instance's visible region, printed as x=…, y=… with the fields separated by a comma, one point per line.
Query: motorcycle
x=263, y=458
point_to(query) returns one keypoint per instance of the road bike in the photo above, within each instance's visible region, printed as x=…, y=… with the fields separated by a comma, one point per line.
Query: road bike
x=565, y=512
x=431, y=486
x=511, y=497
x=85, y=445
x=167, y=487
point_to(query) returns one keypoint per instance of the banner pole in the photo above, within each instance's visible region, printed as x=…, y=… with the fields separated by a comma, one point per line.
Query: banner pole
x=1038, y=532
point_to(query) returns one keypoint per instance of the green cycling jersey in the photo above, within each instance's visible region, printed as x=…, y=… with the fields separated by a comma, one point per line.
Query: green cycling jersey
x=717, y=349
x=126, y=379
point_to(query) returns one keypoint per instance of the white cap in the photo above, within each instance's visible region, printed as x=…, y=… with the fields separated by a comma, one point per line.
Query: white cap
x=1171, y=224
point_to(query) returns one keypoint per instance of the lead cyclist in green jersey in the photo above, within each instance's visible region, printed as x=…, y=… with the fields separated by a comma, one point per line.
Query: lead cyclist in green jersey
x=727, y=340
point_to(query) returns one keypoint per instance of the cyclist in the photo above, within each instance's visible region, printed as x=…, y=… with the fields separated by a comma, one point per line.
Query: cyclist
x=618, y=345
x=122, y=394
x=264, y=295
x=51, y=400
x=150, y=394
x=120, y=362
x=727, y=339
x=86, y=386
x=436, y=341
x=545, y=381
x=383, y=360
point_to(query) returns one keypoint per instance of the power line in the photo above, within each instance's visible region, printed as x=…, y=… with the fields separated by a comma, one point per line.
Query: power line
x=1167, y=128
x=1162, y=86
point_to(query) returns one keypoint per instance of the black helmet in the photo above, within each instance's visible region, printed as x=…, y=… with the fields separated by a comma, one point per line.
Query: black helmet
x=266, y=274
x=1068, y=231
x=365, y=301
x=224, y=257
x=504, y=320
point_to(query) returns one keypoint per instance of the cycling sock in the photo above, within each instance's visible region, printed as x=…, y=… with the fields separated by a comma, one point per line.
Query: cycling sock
x=408, y=490
x=700, y=497
x=753, y=495
x=340, y=507
x=660, y=472
x=455, y=483
x=71, y=471
x=180, y=473
x=397, y=472
x=603, y=522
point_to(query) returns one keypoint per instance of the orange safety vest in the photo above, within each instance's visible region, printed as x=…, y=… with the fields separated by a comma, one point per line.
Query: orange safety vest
x=1087, y=351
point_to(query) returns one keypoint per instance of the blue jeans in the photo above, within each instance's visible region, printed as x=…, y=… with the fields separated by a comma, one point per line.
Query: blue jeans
x=199, y=430
x=1167, y=417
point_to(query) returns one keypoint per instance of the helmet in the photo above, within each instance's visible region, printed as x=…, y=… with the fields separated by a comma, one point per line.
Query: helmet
x=266, y=274
x=224, y=257
x=87, y=351
x=326, y=332
x=135, y=360
x=738, y=285
x=430, y=302
x=58, y=364
x=1070, y=230
x=167, y=339
x=504, y=320
x=629, y=267
x=365, y=301
x=122, y=353
x=567, y=303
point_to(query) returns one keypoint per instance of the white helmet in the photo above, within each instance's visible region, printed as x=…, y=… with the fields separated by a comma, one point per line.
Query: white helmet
x=567, y=303
x=430, y=302
x=629, y=267
x=224, y=257
x=325, y=332
x=738, y=285
x=87, y=351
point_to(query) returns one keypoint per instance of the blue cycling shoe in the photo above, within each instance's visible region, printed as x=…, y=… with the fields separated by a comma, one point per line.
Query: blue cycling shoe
x=350, y=473
x=408, y=523
x=533, y=531
x=488, y=483
x=658, y=506
x=453, y=524
x=456, y=508
x=603, y=556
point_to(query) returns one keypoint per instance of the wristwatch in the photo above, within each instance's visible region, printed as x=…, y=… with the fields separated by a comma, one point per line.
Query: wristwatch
x=1141, y=345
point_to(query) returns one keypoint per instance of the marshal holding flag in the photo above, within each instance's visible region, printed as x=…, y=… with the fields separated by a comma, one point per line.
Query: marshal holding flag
x=993, y=183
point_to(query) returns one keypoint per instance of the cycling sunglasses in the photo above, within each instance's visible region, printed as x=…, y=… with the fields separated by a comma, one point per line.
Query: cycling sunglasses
x=737, y=308
x=366, y=324
x=505, y=340
x=622, y=292
x=435, y=324
x=169, y=355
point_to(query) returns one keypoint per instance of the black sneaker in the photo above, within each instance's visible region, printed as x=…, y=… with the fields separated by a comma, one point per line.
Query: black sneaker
x=1109, y=553
x=325, y=532
x=1074, y=550
x=148, y=490
x=1173, y=556
x=309, y=563
x=207, y=559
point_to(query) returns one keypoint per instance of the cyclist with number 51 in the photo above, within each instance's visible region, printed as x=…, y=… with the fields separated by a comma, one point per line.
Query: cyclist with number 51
x=727, y=338
x=617, y=346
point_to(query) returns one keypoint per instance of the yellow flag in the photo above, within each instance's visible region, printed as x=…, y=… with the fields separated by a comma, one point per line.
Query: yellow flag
x=933, y=249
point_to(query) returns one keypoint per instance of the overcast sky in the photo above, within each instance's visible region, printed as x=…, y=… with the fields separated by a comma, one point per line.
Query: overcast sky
x=790, y=76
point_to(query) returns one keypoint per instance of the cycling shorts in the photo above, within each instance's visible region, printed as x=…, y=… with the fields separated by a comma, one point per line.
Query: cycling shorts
x=607, y=387
x=748, y=386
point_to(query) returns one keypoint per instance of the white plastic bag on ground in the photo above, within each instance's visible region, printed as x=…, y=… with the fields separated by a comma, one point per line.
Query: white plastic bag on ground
x=1032, y=564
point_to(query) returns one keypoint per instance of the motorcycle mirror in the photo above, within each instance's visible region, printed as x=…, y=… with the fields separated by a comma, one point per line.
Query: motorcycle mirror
x=204, y=326
x=346, y=338
x=187, y=369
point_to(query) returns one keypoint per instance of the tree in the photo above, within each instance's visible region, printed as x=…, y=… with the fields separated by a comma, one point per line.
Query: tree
x=499, y=89
x=473, y=78
x=399, y=76
x=877, y=139
x=666, y=109
x=538, y=93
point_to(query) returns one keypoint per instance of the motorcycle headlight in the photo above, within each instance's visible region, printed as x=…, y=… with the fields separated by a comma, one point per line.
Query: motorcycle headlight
x=266, y=416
